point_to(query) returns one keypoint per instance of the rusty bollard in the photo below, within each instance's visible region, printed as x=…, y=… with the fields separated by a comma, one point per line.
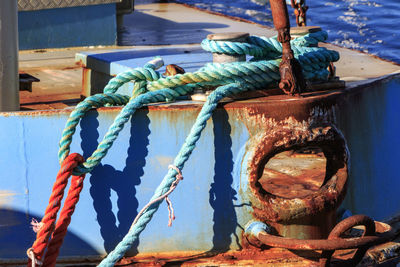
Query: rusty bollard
x=293, y=175
x=302, y=216
x=292, y=213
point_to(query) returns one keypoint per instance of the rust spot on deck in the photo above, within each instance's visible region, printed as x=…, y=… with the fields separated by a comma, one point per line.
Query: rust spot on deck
x=246, y=257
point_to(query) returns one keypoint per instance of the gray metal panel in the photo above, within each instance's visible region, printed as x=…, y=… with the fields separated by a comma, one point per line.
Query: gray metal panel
x=29, y=5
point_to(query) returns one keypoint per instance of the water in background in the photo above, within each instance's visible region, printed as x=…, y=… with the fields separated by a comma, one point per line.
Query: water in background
x=366, y=25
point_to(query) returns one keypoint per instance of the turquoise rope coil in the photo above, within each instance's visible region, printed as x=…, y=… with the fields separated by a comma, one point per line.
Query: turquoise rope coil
x=150, y=86
x=262, y=47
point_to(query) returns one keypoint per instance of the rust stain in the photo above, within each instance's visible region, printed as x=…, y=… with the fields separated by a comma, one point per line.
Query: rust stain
x=80, y=63
x=382, y=254
x=276, y=106
x=86, y=73
x=71, y=68
x=163, y=161
x=246, y=257
x=287, y=137
x=37, y=113
x=338, y=239
x=282, y=123
x=173, y=69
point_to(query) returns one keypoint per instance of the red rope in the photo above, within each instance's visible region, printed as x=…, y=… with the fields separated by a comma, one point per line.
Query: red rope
x=49, y=219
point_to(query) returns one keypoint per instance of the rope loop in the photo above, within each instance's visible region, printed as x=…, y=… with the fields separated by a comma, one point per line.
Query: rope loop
x=31, y=255
x=262, y=47
x=150, y=87
x=136, y=75
x=47, y=227
x=95, y=101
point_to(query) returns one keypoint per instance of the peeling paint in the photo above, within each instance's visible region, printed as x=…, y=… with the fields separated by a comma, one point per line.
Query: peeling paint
x=7, y=198
x=164, y=161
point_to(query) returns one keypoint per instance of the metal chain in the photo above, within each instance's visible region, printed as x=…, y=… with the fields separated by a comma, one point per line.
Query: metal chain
x=300, y=10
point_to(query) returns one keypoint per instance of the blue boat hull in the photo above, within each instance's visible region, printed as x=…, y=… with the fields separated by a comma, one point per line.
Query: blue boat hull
x=210, y=204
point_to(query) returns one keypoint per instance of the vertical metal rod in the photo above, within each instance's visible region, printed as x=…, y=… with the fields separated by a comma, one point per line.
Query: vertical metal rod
x=292, y=80
x=9, y=81
x=281, y=22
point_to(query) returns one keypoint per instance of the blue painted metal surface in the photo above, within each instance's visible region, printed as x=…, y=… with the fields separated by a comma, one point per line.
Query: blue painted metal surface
x=189, y=58
x=205, y=203
x=67, y=27
x=370, y=122
x=210, y=210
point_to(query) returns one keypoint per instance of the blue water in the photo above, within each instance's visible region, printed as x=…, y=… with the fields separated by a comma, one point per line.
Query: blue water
x=365, y=25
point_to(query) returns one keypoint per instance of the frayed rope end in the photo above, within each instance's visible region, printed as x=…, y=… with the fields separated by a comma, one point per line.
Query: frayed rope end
x=36, y=226
x=178, y=177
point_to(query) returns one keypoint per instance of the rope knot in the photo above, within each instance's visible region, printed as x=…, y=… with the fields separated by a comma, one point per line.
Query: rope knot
x=31, y=256
x=179, y=177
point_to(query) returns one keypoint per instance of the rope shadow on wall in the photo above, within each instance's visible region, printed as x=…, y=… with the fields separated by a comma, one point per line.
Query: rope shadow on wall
x=105, y=179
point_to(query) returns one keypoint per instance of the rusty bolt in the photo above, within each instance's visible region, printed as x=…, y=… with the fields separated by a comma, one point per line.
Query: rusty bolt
x=173, y=69
x=284, y=85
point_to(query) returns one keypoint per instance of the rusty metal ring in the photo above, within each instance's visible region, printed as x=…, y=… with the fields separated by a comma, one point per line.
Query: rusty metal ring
x=269, y=207
x=352, y=221
x=342, y=227
x=326, y=244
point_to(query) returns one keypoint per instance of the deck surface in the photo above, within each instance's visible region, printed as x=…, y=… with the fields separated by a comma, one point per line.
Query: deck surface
x=155, y=25
x=61, y=78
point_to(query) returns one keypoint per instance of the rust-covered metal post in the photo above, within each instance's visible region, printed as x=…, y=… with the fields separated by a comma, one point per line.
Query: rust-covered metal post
x=292, y=80
x=9, y=93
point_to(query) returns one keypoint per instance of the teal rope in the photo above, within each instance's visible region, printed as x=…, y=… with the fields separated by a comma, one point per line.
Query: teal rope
x=138, y=74
x=120, y=121
x=95, y=101
x=315, y=61
x=150, y=86
x=183, y=155
x=118, y=124
x=258, y=74
x=262, y=47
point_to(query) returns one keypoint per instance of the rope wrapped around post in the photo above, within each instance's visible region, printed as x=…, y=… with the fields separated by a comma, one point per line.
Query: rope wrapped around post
x=151, y=87
x=258, y=74
x=262, y=47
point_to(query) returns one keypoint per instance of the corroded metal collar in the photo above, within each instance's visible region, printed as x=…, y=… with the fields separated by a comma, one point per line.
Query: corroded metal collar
x=270, y=207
